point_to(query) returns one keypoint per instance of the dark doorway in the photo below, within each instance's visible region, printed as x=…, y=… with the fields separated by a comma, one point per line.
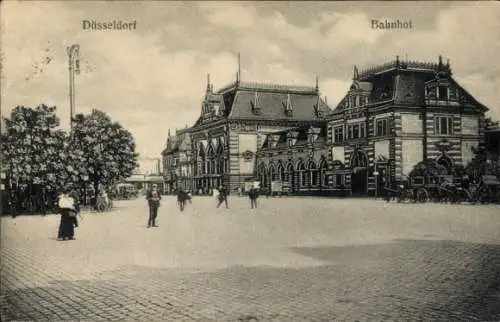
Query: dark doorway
x=359, y=181
x=359, y=177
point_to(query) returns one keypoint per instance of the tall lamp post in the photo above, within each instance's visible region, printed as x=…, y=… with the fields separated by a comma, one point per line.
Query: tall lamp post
x=74, y=68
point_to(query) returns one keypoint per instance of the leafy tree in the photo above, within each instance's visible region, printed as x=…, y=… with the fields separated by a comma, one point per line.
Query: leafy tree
x=490, y=124
x=101, y=149
x=33, y=148
x=480, y=165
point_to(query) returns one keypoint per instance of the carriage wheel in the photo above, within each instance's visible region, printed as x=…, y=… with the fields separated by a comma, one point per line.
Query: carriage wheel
x=422, y=195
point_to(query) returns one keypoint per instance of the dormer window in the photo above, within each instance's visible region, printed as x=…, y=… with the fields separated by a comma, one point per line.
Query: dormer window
x=255, y=103
x=273, y=141
x=356, y=101
x=292, y=138
x=313, y=134
x=288, y=106
x=216, y=110
x=442, y=93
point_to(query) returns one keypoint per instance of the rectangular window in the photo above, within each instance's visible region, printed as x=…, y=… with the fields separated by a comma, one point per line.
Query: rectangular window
x=381, y=127
x=443, y=93
x=443, y=125
x=362, y=131
x=355, y=131
x=349, y=131
x=338, y=134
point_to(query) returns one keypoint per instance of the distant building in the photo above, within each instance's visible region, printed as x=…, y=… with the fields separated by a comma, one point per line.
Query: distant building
x=235, y=121
x=178, y=161
x=398, y=114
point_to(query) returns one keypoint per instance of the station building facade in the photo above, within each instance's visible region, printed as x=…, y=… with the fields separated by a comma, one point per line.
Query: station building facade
x=397, y=115
x=298, y=159
x=235, y=122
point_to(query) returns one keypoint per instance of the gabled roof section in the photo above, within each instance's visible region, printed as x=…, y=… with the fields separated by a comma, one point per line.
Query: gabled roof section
x=402, y=83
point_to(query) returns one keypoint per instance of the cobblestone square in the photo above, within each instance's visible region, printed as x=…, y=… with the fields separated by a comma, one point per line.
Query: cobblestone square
x=292, y=259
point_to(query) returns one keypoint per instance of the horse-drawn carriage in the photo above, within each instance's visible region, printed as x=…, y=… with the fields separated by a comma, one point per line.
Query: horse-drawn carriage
x=446, y=189
x=442, y=188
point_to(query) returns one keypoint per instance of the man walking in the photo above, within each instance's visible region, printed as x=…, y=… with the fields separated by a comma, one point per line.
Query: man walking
x=153, y=196
x=222, y=196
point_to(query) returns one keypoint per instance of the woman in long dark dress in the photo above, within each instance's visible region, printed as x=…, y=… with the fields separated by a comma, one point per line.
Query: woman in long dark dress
x=68, y=210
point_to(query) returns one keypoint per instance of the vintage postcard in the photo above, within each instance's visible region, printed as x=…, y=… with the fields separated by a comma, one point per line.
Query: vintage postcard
x=250, y=161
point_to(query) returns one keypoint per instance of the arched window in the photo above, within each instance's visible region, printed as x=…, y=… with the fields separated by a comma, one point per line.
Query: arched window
x=312, y=174
x=445, y=161
x=323, y=167
x=201, y=160
x=302, y=174
x=290, y=172
x=359, y=159
x=272, y=172
x=263, y=175
x=281, y=172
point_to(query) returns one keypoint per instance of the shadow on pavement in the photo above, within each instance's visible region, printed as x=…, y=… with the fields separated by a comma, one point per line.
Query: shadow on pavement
x=442, y=275
x=406, y=280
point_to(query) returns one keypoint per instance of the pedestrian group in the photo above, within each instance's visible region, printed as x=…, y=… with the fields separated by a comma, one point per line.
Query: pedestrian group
x=70, y=209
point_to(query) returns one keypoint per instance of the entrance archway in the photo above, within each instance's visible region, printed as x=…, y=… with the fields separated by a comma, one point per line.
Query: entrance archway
x=445, y=161
x=359, y=166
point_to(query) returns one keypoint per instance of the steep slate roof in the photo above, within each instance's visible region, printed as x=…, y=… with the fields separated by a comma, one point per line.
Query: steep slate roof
x=392, y=81
x=273, y=104
x=237, y=101
x=282, y=143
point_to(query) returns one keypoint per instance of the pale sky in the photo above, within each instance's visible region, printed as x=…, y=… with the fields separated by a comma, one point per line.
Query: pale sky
x=153, y=78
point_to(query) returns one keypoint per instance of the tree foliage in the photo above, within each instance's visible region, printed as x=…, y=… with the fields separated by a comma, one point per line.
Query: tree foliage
x=37, y=152
x=102, y=150
x=480, y=165
x=34, y=147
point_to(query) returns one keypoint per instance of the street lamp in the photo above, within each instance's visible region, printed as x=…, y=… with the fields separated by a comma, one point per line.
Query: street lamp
x=74, y=68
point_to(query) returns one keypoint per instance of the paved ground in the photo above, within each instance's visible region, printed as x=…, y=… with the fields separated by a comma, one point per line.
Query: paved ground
x=293, y=259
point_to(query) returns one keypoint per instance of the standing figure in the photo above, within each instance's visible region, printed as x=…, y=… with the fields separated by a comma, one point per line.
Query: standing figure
x=222, y=196
x=153, y=196
x=68, y=209
x=253, y=194
x=182, y=196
